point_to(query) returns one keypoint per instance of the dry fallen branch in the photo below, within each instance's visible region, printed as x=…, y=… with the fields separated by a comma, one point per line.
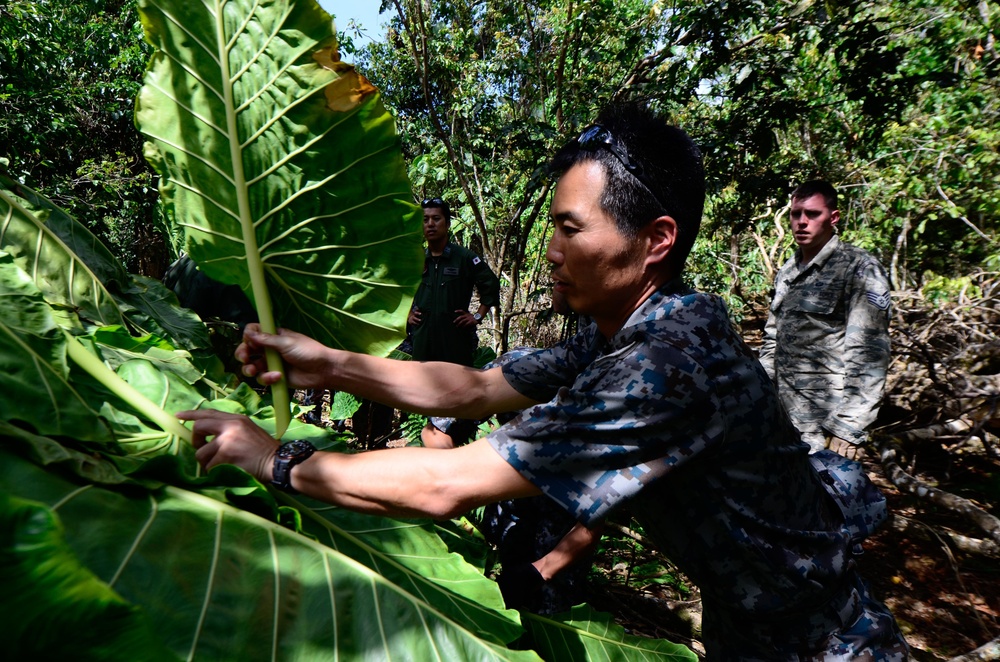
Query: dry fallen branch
x=889, y=452
x=941, y=418
x=965, y=544
x=989, y=651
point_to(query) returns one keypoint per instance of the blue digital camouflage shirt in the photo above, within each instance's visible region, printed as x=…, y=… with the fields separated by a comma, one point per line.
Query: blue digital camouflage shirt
x=676, y=416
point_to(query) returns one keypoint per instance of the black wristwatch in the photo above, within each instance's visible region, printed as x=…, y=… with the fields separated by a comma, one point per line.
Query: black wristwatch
x=478, y=317
x=288, y=455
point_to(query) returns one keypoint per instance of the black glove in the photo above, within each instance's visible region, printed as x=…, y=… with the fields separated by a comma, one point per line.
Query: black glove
x=521, y=586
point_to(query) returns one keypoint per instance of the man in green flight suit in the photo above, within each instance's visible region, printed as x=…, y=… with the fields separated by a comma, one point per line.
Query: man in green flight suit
x=443, y=328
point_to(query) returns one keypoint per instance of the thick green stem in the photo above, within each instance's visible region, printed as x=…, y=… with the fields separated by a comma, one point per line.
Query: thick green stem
x=255, y=265
x=95, y=368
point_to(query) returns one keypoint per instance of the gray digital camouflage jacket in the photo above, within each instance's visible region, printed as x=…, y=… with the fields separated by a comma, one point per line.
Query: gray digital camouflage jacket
x=826, y=342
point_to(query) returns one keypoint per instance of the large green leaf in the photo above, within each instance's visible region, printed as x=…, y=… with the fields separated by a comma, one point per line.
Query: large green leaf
x=584, y=634
x=282, y=165
x=410, y=554
x=223, y=584
x=46, y=587
x=57, y=263
x=34, y=372
x=75, y=270
x=44, y=392
x=150, y=307
x=61, y=269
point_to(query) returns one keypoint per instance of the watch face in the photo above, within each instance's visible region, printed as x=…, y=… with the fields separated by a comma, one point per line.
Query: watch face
x=296, y=449
x=288, y=456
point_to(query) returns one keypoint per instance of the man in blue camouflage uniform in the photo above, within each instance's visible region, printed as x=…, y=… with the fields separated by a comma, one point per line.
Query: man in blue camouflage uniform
x=826, y=342
x=442, y=327
x=657, y=403
x=525, y=531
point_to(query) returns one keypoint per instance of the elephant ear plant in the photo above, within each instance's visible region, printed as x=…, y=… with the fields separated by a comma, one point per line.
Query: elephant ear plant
x=282, y=168
x=106, y=528
x=111, y=546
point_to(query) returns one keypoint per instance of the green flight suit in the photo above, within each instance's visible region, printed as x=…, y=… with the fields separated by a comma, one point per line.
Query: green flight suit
x=447, y=286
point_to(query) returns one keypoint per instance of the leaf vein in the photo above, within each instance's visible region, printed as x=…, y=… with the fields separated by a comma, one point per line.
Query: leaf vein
x=278, y=24
x=315, y=219
x=169, y=16
x=292, y=154
x=190, y=111
x=135, y=543
x=310, y=189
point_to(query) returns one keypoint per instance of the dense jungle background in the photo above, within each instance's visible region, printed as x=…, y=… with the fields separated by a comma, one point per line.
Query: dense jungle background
x=896, y=102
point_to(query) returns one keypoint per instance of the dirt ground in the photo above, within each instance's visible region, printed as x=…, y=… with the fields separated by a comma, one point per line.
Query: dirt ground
x=946, y=602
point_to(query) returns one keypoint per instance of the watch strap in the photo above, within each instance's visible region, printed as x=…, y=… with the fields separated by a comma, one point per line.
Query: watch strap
x=285, y=459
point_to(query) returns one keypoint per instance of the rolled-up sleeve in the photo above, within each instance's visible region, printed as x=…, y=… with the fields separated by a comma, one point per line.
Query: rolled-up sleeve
x=629, y=418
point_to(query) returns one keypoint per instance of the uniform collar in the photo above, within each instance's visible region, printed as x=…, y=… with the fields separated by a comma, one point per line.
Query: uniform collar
x=648, y=311
x=821, y=257
x=445, y=253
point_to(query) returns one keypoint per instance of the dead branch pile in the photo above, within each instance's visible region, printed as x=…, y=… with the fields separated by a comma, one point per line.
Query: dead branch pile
x=943, y=396
x=942, y=410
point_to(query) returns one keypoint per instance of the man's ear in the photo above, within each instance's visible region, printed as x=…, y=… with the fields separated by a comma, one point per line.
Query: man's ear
x=834, y=217
x=660, y=236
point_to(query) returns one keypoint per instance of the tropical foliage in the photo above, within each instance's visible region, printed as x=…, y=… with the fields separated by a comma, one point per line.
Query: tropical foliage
x=112, y=537
x=69, y=74
x=894, y=102
x=281, y=169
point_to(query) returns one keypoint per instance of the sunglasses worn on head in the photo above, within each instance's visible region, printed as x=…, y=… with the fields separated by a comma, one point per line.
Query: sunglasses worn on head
x=432, y=202
x=596, y=136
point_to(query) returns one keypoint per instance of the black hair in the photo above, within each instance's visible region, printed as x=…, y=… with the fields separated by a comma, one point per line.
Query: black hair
x=817, y=187
x=438, y=203
x=665, y=174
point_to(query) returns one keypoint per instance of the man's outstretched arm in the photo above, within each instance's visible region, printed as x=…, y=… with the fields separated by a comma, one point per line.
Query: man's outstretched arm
x=432, y=388
x=403, y=482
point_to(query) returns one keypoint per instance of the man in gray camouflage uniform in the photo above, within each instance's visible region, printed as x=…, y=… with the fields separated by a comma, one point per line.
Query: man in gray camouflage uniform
x=657, y=403
x=826, y=343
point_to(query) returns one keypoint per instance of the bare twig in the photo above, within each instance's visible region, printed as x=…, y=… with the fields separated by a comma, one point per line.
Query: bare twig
x=890, y=451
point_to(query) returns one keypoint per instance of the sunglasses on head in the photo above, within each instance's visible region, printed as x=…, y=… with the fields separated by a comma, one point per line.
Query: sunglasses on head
x=432, y=202
x=595, y=137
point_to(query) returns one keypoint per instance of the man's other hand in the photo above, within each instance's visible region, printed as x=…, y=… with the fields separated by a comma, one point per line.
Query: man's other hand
x=235, y=439
x=845, y=448
x=308, y=363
